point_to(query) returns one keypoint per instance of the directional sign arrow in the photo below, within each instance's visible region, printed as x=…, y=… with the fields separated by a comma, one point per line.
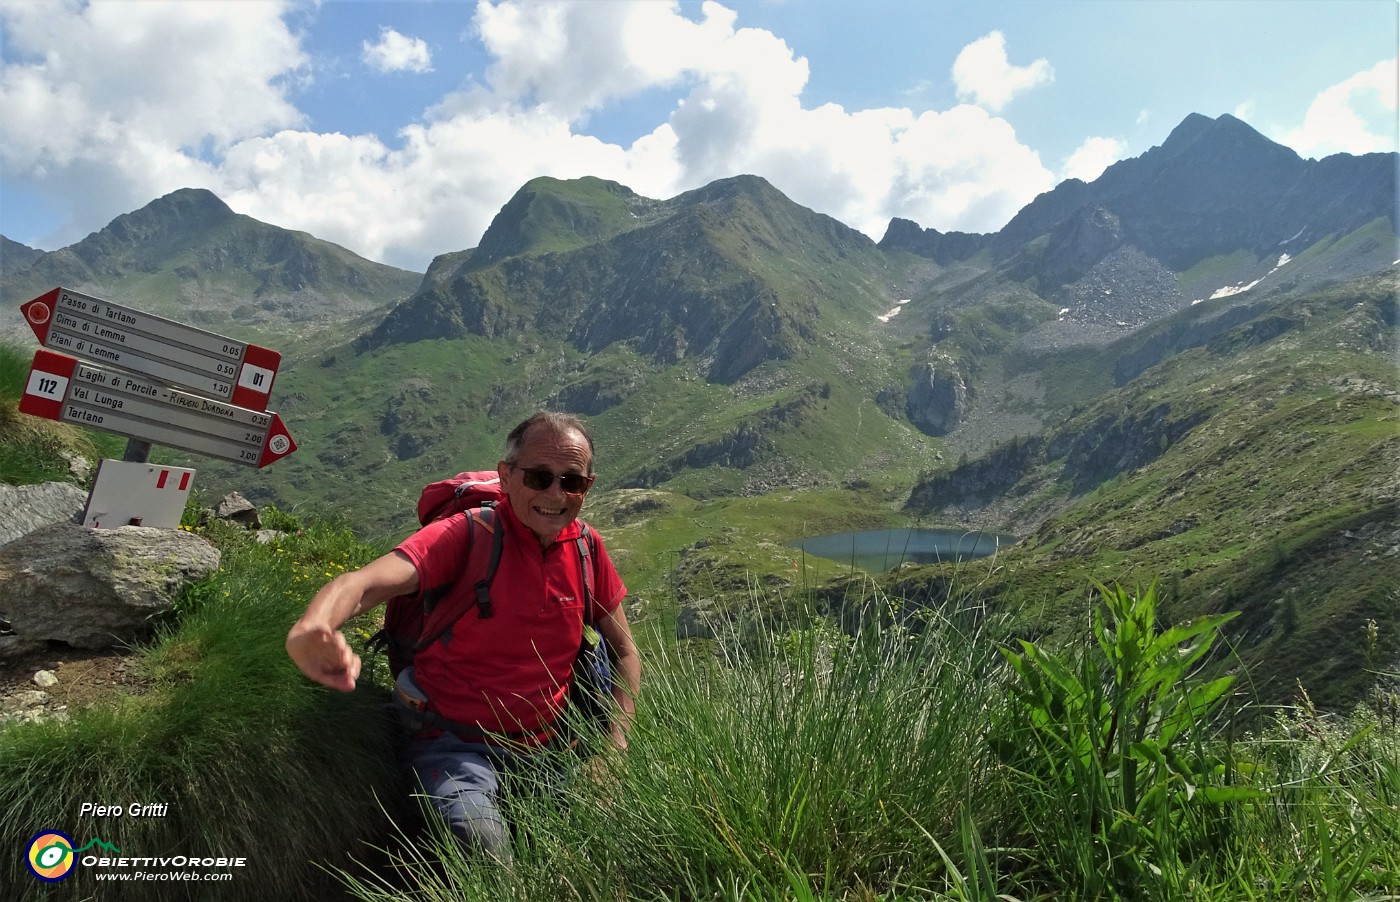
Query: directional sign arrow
x=65, y=389
x=172, y=352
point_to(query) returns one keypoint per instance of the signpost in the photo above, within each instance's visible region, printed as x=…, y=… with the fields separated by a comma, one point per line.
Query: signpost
x=172, y=352
x=152, y=380
x=99, y=397
x=137, y=494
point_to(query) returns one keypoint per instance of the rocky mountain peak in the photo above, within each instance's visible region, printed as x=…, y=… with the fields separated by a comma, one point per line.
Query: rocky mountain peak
x=182, y=212
x=1213, y=187
x=549, y=214
x=16, y=257
x=941, y=247
x=731, y=188
x=1188, y=131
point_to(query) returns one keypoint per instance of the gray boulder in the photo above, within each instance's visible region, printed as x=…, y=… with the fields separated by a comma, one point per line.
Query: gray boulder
x=236, y=509
x=696, y=620
x=25, y=508
x=93, y=588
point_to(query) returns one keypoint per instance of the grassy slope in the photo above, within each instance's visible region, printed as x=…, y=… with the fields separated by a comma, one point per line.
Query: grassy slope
x=396, y=417
x=32, y=449
x=769, y=764
x=211, y=284
x=1250, y=510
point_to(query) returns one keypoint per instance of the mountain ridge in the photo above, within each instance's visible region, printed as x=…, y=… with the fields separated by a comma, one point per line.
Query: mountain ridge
x=1213, y=187
x=188, y=255
x=627, y=284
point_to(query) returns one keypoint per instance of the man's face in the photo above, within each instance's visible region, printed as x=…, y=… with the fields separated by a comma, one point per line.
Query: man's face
x=548, y=510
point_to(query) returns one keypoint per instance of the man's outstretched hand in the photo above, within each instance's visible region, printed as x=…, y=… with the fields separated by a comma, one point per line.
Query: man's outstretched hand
x=324, y=656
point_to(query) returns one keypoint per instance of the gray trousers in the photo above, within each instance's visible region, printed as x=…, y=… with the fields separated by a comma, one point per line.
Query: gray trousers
x=464, y=783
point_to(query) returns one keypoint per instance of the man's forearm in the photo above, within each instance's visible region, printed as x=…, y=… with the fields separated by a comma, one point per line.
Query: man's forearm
x=353, y=593
x=339, y=600
x=315, y=642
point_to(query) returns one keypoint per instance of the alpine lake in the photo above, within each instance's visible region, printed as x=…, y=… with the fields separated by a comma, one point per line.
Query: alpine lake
x=877, y=550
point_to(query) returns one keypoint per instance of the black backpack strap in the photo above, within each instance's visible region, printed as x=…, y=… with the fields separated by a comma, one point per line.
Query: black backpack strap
x=432, y=596
x=483, y=587
x=434, y=631
x=585, y=544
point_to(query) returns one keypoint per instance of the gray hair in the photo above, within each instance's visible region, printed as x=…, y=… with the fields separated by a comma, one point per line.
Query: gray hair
x=556, y=424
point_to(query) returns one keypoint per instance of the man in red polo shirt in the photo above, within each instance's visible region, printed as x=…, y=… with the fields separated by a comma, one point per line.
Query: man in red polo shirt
x=506, y=677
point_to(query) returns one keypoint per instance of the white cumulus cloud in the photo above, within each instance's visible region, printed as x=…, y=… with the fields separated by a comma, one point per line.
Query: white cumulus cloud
x=394, y=52
x=90, y=121
x=1355, y=116
x=109, y=105
x=984, y=75
x=1091, y=158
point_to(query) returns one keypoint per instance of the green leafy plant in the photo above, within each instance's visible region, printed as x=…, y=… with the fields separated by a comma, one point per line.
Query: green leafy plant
x=1113, y=739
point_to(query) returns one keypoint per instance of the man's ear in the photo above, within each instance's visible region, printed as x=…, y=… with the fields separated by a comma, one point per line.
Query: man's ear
x=502, y=468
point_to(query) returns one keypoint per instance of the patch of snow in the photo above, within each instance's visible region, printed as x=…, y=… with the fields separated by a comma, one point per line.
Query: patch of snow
x=1295, y=237
x=1197, y=301
x=905, y=301
x=1064, y=311
x=1229, y=290
x=1240, y=289
x=893, y=313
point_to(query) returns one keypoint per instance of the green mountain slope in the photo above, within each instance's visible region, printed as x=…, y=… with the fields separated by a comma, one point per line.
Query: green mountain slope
x=730, y=326
x=1253, y=469
x=187, y=256
x=1212, y=409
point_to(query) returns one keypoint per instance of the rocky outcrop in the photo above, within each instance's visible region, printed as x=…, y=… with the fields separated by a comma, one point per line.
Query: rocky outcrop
x=593, y=396
x=939, y=395
x=1069, y=251
x=762, y=331
x=941, y=247
x=1117, y=443
x=978, y=482
x=25, y=508
x=94, y=588
x=234, y=508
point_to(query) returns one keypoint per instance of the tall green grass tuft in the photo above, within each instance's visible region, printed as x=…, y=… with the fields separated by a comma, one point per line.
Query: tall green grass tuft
x=1127, y=783
x=796, y=764
x=917, y=763
x=253, y=760
x=1112, y=751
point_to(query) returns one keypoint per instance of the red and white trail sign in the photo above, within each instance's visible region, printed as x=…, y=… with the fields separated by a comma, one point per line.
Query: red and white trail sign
x=132, y=493
x=94, y=329
x=65, y=389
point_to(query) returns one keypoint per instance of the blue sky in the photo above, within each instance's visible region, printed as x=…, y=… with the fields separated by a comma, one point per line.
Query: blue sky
x=398, y=129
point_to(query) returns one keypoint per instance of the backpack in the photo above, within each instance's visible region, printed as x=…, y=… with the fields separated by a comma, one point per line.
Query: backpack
x=412, y=623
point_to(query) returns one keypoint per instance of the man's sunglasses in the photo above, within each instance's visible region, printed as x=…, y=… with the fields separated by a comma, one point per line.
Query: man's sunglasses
x=541, y=480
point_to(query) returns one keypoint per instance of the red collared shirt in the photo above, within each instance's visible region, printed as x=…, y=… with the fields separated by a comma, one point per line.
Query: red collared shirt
x=509, y=673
